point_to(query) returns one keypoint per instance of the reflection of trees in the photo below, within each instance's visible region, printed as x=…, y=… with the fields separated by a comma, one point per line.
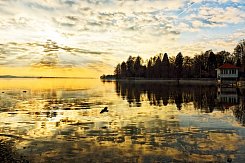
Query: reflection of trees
x=204, y=97
x=159, y=94
x=239, y=110
x=239, y=113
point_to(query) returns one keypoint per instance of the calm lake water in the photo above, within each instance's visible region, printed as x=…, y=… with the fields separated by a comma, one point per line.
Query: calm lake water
x=59, y=120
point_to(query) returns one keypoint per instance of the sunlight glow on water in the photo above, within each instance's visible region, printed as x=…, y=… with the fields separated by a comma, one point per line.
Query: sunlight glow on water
x=59, y=119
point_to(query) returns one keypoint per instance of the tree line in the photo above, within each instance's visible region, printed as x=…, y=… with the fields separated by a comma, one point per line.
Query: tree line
x=179, y=66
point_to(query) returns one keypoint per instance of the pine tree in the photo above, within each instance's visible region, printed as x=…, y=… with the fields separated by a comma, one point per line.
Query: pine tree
x=179, y=65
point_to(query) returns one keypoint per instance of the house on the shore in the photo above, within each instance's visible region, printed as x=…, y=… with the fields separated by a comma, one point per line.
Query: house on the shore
x=227, y=74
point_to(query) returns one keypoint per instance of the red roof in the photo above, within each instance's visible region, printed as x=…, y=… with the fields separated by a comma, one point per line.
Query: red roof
x=228, y=66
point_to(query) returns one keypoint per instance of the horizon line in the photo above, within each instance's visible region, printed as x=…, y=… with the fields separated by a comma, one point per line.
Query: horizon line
x=40, y=77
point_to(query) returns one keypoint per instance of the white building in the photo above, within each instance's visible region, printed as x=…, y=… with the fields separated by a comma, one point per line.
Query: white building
x=227, y=74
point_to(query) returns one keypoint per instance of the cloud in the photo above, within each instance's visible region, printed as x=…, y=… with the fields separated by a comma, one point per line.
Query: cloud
x=229, y=15
x=48, y=54
x=89, y=32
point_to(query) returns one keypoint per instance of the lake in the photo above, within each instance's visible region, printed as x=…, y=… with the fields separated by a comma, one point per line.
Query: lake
x=59, y=120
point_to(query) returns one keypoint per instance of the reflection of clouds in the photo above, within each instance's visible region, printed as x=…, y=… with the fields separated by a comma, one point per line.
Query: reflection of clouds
x=49, y=118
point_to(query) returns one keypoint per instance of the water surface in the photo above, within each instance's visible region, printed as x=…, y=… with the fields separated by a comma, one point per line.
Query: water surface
x=53, y=120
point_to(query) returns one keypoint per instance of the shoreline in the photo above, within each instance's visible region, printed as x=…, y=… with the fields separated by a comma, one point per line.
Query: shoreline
x=168, y=81
x=30, y=77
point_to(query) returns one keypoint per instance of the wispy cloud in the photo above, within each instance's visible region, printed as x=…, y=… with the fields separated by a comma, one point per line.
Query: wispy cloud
x=93, y=31
x=48, y=54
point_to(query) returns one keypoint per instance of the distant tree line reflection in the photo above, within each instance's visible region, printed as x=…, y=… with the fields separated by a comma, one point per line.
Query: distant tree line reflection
x=159, y=94
x=239, y=110
x=203, y=97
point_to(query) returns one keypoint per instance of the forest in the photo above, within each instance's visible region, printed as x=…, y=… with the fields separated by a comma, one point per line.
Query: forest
x=161, y=66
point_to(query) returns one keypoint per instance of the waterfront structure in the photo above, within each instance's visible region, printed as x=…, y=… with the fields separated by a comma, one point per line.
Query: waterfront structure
x=227, y=74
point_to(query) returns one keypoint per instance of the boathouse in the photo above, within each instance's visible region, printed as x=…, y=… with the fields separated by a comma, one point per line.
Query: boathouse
x=227, y=74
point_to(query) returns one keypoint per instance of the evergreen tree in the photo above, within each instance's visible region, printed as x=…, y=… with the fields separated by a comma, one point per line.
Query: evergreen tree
x=117, y=71
x=172, y=73
x=149, y=69
x=162, y=66
x=130, y=67
x=123, y=70
x=165, y=66
x=157, y=67
x=179, y=65
x=138, y=67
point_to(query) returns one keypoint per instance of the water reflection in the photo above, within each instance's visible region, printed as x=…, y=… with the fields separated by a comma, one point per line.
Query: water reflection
x=206, y=98
x=203, y=97
x=228, y=96
x=146, y=122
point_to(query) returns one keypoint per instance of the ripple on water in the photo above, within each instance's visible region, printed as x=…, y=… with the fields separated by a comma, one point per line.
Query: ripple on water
x=145, y=123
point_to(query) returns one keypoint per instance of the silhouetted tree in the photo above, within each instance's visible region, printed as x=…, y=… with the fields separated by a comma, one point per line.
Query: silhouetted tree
x=157, y=67
x=200, y=65
x=220, y=58
x=154, y=69
x=130, y=66
x=138, y=67
x=227, y=57
x=212, y=64
x=162, y=66
x=179, y=65
x=205, y=57
x=187, y=67
x=172, y=73
x=149, y=69
x=123, y=70
x=238, y=62
x=117, y=71
x=197, y=66
x=165, y=66
x=239, y=52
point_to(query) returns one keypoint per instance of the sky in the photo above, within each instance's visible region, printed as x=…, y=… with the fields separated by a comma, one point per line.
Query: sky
x=88, y=38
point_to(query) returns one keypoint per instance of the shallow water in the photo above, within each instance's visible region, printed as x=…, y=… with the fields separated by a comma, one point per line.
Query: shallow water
x=53, y=120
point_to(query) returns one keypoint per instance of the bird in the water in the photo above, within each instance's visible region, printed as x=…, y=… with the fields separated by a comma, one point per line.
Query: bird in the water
x=229, y=160
x=104, y=110
x=2, y=92
x=24, y=91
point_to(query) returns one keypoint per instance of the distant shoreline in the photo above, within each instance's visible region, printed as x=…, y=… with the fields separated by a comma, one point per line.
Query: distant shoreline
x=204, y=81
x=41, y=77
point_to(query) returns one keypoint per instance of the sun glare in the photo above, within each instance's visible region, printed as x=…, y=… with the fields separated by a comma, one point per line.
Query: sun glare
x=49, y=72
x=54, y=35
